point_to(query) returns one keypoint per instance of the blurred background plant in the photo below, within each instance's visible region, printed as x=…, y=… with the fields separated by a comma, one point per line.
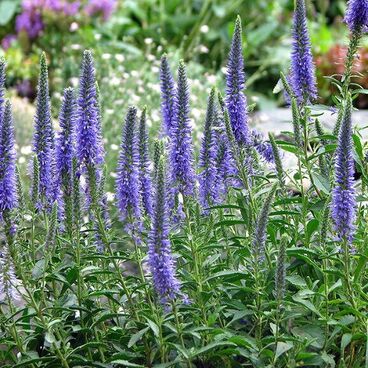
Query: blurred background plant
x=128, y=38
x=141, y=29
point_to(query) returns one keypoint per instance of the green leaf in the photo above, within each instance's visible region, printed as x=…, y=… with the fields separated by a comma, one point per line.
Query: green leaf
x=296, y=280
x=321, y=183
x=309, y=305
x=8, y=9
x=153, y=327
x=125, y=363
x=137, y=336
x=282, y=347
x=345, y=341
x=312, y=226
x=212, y=346
x=38, y=269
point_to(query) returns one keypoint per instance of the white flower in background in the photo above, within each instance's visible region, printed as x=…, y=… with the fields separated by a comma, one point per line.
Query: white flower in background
x=120, y=57
x=203, y=49
x=110, y=196
x=26, y=150
x=74, y=27
x=204, y=28
x=97, y=36
x=114, y=147
x=75, y=46
x=106, y=56
x=148, y=41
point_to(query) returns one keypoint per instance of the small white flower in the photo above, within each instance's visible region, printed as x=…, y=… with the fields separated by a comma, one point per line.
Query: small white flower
x=113, y=174
x=97, y=36
x=115, y=81
x=110, y=196
x=114, y=147
x=74, y=27
x=106, y=56
x=203, y=49
x=75, y=47
x=148, y=41
x=26, y=150
x=120, y=57
x=74, y=81
x=204, y=28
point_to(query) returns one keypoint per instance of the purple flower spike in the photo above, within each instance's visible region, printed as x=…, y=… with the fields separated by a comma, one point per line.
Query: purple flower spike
x=8, y=279
x=168, y=95
x=65, y=145
x=302, y=69
x=225, y=164
x=43, y=139
x=2, y=85
x=356, y=16
x=208, y=193
x=90, y=150
x=8, y=181
x=181, y=149
x=263, y=147
x=30, y=20
x=343, y=205
x=236, y=101
x=160, y=259
x=127, y=181
x=105, y=8
x=145, y=184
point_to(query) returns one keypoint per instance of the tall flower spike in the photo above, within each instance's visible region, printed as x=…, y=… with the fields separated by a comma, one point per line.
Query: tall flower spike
x=43, y=139
x=236, y=101
x=260, y=234
x=158, y=151
x=127, y=181
x=356, y=15
x=160, y=259
x=168, y=95
x=65, y=151
x=277, y=158
x=8, y=180
x=90, y=150
x=8, y=279
x=181, y=150
x=145, y=184
x=280, y=274
x=225, y=165
x=343, y=205
x=208, y=194
x=2, y=85
x=302, y=78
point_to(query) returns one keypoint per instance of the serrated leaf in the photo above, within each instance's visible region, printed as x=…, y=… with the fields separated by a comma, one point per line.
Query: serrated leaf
x=137, y=336
x=282, y=347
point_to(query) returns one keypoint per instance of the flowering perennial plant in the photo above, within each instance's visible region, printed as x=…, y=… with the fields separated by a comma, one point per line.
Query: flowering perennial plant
x=265, y=267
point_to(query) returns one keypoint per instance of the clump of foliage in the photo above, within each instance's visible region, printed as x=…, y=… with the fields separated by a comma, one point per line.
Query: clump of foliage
x=229, y=259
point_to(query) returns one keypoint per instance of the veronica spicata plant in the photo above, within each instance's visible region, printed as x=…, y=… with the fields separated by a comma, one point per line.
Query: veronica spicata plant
x=236, y=101
x=271, y=253
x=43, y=141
